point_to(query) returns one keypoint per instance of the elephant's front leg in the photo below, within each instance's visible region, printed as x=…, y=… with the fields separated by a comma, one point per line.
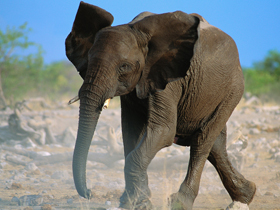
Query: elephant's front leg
x=158, y=135
x=134, y=123
x=137, y=193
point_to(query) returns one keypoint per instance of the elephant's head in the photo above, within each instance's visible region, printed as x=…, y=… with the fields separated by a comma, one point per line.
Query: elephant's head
x=144, y=54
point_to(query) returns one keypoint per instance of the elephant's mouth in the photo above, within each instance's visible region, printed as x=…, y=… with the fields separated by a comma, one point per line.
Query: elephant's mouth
x=77, y=98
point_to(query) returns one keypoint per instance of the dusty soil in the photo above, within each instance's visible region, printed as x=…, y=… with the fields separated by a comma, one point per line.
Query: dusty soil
x=53, y=183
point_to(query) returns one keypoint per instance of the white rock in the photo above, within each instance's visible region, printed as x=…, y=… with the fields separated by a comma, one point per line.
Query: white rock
x=3, y=164
x=274, y=143
x=277, y=157
x=235, y=124
x=60, y=175
x=273, y=151
x=253, y=123
x=214, y=189
x=235, y=205
x=69, y=137
x=254, y=131
x=54, y=184
x=223, y=192
x=202, y=190
x=271, y=108
x=43, y=153
x=176, y=151
x=69, y=181
x=44, y=180
x=28, y=143
x=113, y=185
x=108, y=203
x=254, y=165
x=18, y=176
x=234, y=136
x=100, y=176
x=31, y=200
x=253, y=101
x=42, y=139
x=120, y=181
x=262, y=140
x=120, y=163
x=31, y=167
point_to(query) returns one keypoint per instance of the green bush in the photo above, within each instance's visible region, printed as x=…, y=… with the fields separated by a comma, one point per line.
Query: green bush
x=60, y=79
x=270, y=64
x=258, y=82
x=263, y=79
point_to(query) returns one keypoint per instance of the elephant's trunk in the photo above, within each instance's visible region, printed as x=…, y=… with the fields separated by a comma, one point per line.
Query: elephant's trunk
x=92, y=98
x=87, y=123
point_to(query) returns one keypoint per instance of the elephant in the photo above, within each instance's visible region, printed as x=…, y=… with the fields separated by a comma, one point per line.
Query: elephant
x=178, y=78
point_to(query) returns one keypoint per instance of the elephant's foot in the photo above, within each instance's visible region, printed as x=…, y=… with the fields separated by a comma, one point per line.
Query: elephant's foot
x=136, y=200
x=237, y=205
x=179, y=201
x=243, y=191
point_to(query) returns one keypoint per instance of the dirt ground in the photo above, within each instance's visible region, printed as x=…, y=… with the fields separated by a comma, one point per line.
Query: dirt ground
x=50, y=186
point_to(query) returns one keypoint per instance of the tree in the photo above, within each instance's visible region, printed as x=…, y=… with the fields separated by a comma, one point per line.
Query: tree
x=270, y=64
x=14, y=64
x=60, y=79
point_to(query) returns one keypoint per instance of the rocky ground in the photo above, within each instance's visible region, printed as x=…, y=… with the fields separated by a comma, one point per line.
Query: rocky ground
x=36, y=172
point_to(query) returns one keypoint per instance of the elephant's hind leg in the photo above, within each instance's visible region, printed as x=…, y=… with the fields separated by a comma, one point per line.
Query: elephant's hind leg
x=239, y=188
x=202, y=145
x=199, y=151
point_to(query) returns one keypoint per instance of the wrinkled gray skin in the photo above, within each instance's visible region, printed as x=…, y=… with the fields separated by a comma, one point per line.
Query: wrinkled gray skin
x=179, y=79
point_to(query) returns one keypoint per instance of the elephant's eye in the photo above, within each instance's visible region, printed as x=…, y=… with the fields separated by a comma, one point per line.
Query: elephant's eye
x=125, y=67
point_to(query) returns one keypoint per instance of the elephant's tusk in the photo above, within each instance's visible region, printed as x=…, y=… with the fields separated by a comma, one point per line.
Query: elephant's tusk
x=73, y=100
x=106, y=104
x=76, y=98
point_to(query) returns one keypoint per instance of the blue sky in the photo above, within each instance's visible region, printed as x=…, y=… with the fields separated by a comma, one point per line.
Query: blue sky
x=253, y=24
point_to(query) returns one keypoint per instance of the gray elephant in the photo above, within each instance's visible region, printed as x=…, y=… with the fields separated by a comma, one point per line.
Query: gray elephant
x=179, y=79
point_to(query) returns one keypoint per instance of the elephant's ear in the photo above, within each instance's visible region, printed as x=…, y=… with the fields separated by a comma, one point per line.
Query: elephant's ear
x=88, y=21
x=170, y=40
